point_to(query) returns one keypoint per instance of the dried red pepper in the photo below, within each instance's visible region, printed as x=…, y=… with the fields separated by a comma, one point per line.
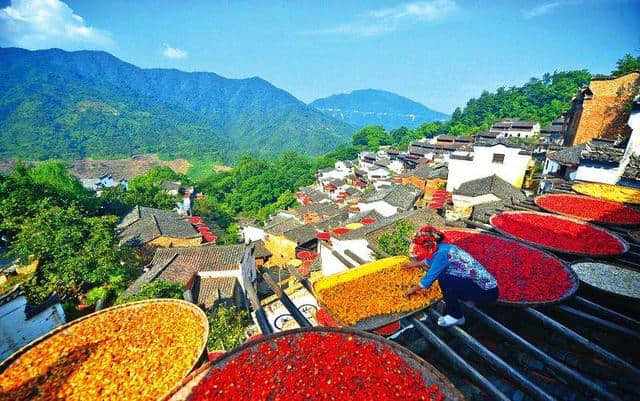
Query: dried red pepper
x=316, y=366
x=560, y=233
x=524, y=274
x=590, y=209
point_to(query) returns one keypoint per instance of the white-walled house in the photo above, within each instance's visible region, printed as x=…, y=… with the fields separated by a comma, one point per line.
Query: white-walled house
x=500, y=157
x=391, y=200
x=607, y=162
x=252, y=233
x=515, y=128
x=563, y=163
x=21, y=323
x=485, y=190
x=376, y=173
x=333, y=256
x=600, y=161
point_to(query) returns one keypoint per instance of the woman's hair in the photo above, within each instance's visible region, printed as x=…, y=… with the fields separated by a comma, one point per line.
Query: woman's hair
x=438, y=237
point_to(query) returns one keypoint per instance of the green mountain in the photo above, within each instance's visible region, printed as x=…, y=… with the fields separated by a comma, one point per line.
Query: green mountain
x=376, y=107
x=62, y=104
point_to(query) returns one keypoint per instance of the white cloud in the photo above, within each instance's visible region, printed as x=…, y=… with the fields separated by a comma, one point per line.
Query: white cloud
x=384, y=20
x=48, y=23
x=542, y=9
x=427, y=10
x=174, y=52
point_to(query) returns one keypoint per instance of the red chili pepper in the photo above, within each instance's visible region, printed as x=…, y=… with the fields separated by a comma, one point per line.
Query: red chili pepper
x=314, y=366
x=557, y=232
x=524, y=274
x=590, y=209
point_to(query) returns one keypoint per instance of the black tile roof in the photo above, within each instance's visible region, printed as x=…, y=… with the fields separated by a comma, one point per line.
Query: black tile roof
x=486, y=134
x=260, y=251
x=415, y=217
x=632, y=170
x=568, y=156
x=466, y=156
x=171, y=185
x=182, y=262
x=206, y=292
x=322, y=209
x=155, y=225
x=302, y=234
x=141, y=212
x=602, y=151
x=280, y=227
x=430, y=171
x=383, y=162
x=490, y=185
x=401, y=196
x=487, y=142
x=356, y=218
x=179, y=264
x=334, y=221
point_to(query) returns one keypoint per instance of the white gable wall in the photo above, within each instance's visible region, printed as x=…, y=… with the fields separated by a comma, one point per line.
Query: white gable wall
x=16, y=331
x=251, y=233
x=598, y=174
x=381, y=207
x=511, y=170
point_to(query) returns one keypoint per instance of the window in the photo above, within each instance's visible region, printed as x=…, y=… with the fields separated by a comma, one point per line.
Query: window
x=498, y=158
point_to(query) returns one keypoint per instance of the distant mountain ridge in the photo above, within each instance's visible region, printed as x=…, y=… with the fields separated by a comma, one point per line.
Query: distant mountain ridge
x=62, y=104
x=377, y=107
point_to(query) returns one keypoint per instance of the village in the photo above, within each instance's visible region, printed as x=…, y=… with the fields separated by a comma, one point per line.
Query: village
x=358, y=211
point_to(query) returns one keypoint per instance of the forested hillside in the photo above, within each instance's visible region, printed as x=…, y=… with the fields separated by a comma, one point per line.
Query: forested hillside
x=540, y=99
x=76, y=104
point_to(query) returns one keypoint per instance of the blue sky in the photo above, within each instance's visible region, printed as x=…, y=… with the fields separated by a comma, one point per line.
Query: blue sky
x=438, y=52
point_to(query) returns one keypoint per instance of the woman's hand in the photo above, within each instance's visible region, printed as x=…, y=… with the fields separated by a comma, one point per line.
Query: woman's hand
x=412, y=291
x=411, y=265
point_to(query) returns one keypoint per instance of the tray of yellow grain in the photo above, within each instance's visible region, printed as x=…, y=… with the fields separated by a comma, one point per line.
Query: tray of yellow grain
x=372, y=295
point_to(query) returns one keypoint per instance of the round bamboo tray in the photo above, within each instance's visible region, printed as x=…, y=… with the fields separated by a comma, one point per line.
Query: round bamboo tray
x=605, y=280
x=573, y=277
x=370, y=323
x=202, y=352
x=625, y=244
x=596, y=221
x=430, y=374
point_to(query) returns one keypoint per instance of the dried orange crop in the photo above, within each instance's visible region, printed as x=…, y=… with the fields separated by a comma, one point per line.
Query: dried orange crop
x=380, y=292
x=136, y=352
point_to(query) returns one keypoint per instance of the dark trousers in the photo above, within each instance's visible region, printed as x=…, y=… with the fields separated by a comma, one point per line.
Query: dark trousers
x=456, y=289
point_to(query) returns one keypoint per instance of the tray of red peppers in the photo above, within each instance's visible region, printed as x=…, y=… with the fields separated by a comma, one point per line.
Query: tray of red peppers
x=318, y=363
x=559, y=233
x=527, y=276
x=589, y=209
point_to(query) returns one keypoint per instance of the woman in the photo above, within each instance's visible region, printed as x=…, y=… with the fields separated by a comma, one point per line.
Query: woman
x=461, y=277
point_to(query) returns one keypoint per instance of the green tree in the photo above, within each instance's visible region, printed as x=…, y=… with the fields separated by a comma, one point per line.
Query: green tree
x=227, y=327
x=158, y=288
x=626, y=64
x=75, y=253
x=372, y=136
x=395, y=242
x=27, y=191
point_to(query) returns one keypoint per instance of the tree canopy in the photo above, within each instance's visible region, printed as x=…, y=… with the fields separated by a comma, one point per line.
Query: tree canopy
x=626, y=64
